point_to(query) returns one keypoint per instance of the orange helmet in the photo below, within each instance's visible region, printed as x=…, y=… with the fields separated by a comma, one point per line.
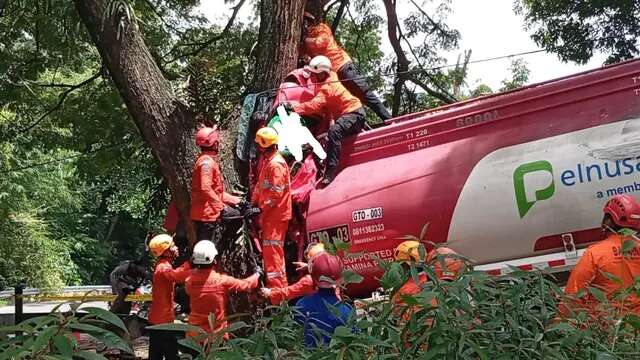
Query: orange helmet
x=407, y=251
x=448, y=266
x=160, y=243
x=266, y=136
x=313, y=250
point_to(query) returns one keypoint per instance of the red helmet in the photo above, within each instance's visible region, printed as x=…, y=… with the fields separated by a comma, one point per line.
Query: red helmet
x=324, y=267
x=207, y=137
x=624, y=211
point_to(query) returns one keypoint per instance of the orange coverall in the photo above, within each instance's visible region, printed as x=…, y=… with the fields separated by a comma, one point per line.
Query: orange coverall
x=273, y=197
x=320, y=41
x=332, y=99
x=208, y=291
x=164, y=279
x=207, y=189
x=411, y=288
x=600, y=258
x=302, y=287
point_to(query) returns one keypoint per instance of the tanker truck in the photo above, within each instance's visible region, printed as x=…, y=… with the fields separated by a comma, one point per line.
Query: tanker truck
x=510, y=180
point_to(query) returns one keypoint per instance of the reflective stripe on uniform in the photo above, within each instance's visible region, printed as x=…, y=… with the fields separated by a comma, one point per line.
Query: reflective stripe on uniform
x=272, y=243
x=276, y=274
x=269, y=202
x=277, y=188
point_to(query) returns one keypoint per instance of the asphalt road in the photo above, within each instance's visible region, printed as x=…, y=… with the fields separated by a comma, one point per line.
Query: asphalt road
x=7, y=312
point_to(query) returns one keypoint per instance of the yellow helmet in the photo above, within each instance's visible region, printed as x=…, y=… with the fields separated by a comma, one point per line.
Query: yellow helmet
x=313, y=250
x=266, y=137
x=407, y=251
x=159, y=244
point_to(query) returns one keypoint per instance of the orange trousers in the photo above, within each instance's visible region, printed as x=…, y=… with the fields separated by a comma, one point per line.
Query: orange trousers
x=273, y=236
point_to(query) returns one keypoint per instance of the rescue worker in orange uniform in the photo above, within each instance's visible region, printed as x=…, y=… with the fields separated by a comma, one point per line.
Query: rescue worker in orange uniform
x=164, y=344
x=302, y=287
x=273, y=197
x=446, y=266
x=319, y=40
x=606, y=258
x=334, y=99
x=208, y=289
x=208, y=197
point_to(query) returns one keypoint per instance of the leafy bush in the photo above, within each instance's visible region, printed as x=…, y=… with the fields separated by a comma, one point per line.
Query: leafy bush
x=477, y=316
x=51, y=336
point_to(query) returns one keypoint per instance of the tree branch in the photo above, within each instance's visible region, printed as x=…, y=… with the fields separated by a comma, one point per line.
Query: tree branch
x=62, y=98
x=203, y=45
x=339, y=14
x=433, y=22
x=444, y=93
x=358, y=37
x=446, y=99
x=395, y=36
x=165, y=22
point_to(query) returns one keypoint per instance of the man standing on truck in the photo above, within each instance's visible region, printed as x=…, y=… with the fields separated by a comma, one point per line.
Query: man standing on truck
x=304, y=286
x=318, y=40
x=208, y=197
x=333, y=98
x=164, y=344
x=604, y=265
x=272, y=196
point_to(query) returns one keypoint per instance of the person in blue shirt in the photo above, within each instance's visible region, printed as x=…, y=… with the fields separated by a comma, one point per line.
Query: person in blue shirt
x=322, y=311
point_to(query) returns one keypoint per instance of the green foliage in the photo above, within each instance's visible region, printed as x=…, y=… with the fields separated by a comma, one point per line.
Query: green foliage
x=91, y=189
x=519, y=75
x=576, y=29
x=476, y=316
x=219, y=75
x=51, y=336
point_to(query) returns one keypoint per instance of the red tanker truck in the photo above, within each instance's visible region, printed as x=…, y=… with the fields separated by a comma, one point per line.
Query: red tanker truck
x=511, y=179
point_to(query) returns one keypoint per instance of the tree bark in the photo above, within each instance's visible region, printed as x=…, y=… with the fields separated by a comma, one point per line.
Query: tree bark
x=166, y=124
x=395, y=36
x=278, y=40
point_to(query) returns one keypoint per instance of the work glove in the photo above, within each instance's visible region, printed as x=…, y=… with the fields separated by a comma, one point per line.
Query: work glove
x=243, y=206
x=258, y=270
x=265, y=292
x=129, y=289
x=251, y=212
x=288, y=106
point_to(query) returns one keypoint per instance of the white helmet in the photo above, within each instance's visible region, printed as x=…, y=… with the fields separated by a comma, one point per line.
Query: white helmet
x=204, y=252
x=320, y=64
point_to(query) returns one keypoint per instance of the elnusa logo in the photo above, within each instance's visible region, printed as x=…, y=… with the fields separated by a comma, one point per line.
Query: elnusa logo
x=601, y=174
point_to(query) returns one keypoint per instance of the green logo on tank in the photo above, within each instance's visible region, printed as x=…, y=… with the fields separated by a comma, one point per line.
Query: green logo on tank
x=524, y=205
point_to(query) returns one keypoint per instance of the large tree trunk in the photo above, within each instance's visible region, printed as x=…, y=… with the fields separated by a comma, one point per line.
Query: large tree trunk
x=165, y=123
x=278, y=40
